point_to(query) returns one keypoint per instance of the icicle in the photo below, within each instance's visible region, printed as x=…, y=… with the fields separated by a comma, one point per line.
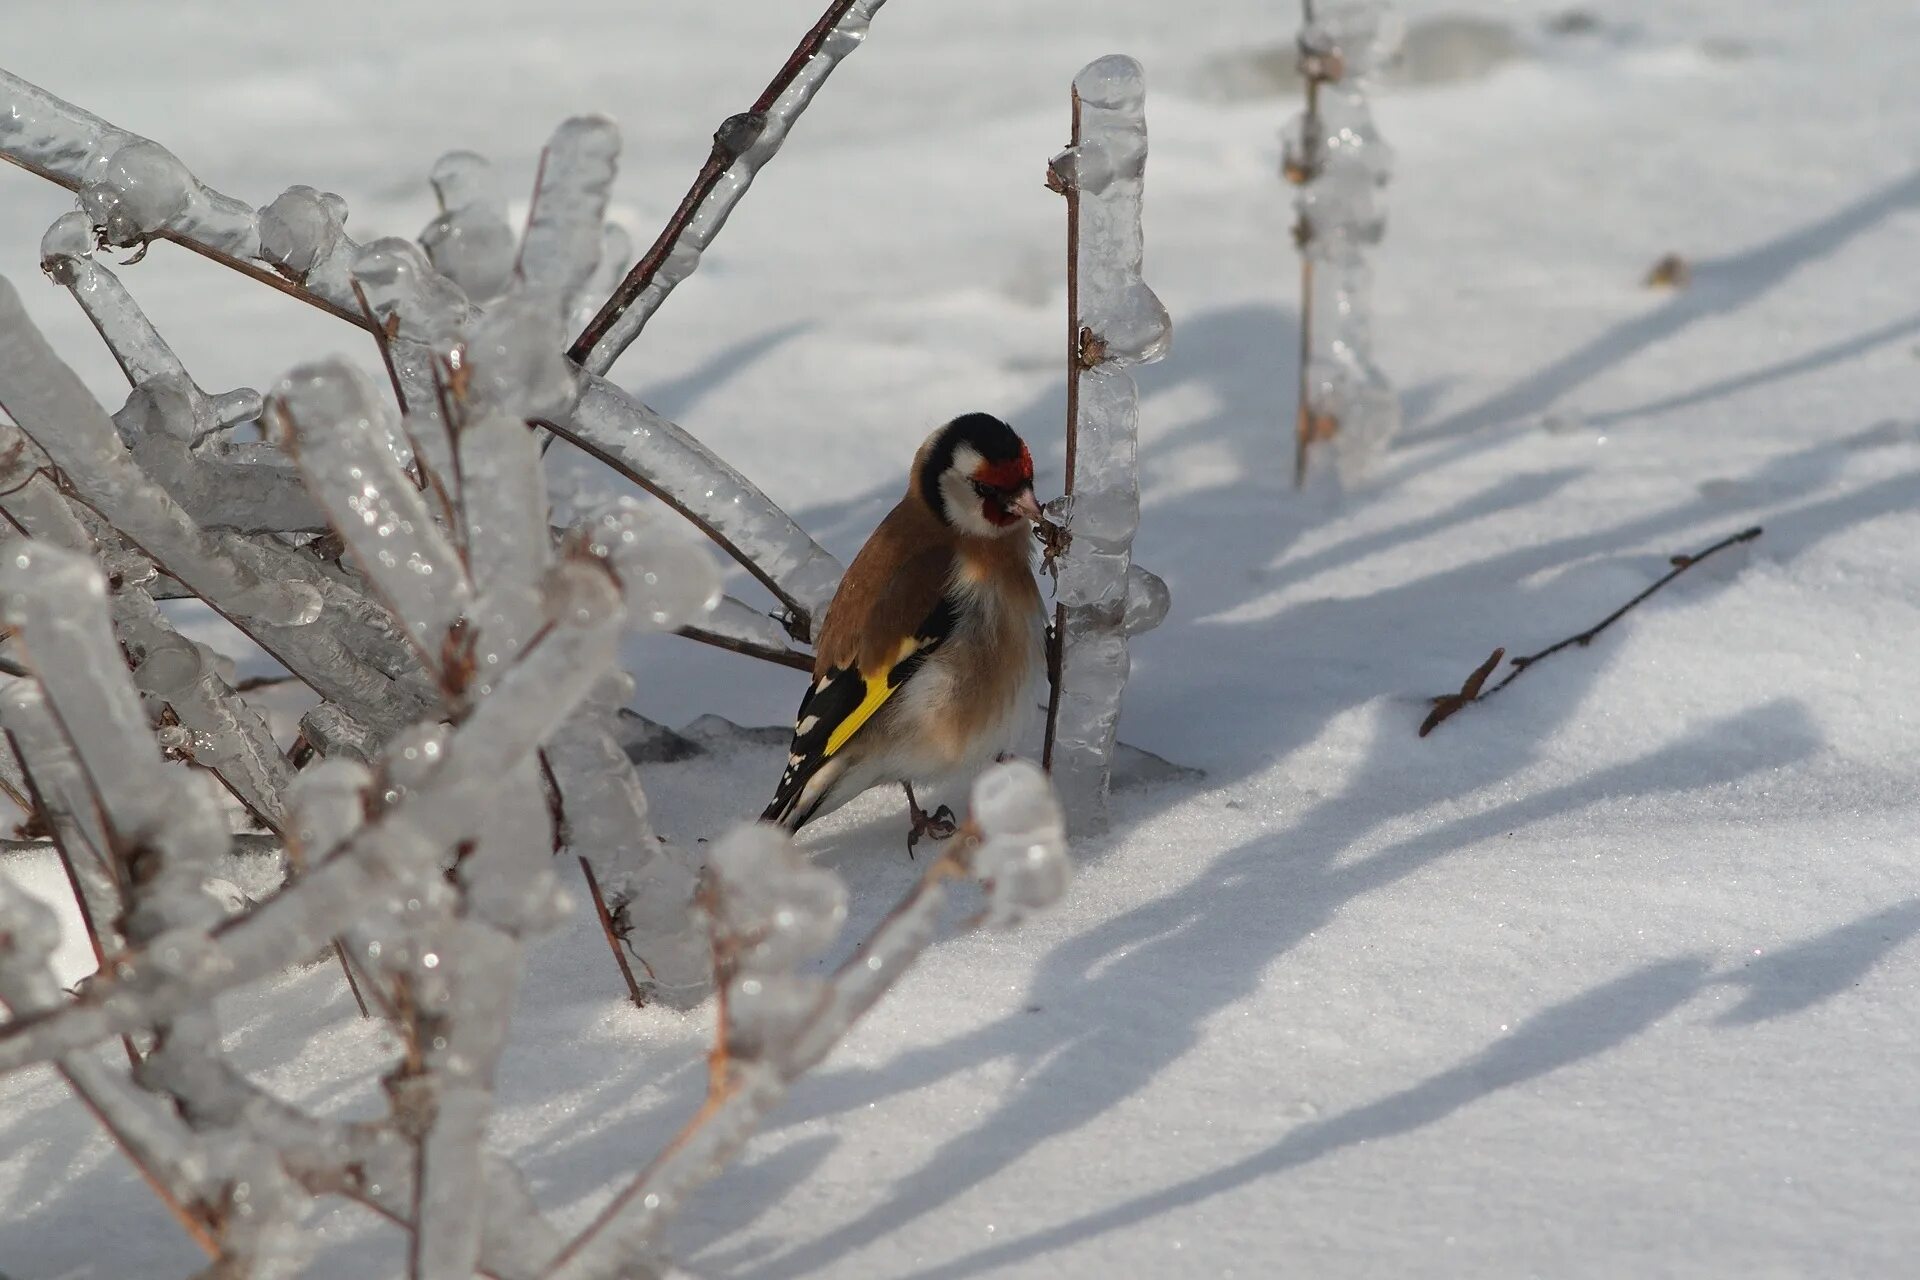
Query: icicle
x=1122, y=324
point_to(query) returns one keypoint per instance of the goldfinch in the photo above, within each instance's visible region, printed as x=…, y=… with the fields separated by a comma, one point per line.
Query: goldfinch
x=930, y=651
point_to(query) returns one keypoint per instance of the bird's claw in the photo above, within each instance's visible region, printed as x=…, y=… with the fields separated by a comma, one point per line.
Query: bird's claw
x=938, y=825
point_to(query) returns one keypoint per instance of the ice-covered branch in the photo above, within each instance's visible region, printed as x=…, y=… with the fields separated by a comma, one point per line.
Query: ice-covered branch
x=269, y=590
x=1114, y=322
x=741, y=147
x=772, y=911
x=170, y=423
x=306, y=252
x=678, y=469
x=1335, y=154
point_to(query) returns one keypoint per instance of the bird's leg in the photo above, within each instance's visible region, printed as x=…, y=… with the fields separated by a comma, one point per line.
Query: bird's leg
x=940, y=824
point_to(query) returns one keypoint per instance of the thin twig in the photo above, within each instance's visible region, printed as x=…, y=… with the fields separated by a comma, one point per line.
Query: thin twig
x=727, y=146
x=613, y=939
x=1305, y=429
x=556, y=806
x=1057, y=641
x=794, y=658
x=191, y=1218
x=1471, y=691
x=383, y=339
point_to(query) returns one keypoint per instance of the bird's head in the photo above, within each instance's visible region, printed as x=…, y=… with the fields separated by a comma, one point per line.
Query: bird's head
x=977, y=475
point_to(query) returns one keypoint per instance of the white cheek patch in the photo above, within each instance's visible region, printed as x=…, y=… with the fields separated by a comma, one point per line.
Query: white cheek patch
x=965, y=509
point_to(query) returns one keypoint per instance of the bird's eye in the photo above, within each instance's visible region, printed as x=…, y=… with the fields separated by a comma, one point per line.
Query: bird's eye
x=986, y=490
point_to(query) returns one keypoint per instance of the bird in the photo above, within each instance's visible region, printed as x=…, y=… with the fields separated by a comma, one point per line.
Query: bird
x=930, y=651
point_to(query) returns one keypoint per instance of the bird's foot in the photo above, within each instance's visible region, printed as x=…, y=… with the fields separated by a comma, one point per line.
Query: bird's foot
x=938, y=825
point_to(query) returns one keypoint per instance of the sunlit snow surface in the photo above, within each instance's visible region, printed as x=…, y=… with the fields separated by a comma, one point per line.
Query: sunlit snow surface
x=1614, y=974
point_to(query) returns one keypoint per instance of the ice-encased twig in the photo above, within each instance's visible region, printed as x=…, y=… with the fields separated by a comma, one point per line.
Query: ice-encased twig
x=739, y=626
x=663, y=459
x=227, y=735
x=741, y=147
x=164, y=829
x=771, y=910
x=301, y=238
x=1334, y=152
x=1114, y=323
x=395, y=852
x=159, y=1145
x=563, y=239
x=58, y=790
x=336, y=427
x=270, y=592
x=169, y=423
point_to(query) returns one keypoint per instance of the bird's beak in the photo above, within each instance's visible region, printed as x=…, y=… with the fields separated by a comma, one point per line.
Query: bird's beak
x=1024, y=503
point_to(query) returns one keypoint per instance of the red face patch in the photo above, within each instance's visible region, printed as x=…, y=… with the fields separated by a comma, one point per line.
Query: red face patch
x=1013, y=475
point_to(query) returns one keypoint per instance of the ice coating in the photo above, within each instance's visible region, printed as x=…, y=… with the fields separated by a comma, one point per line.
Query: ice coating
x=57, y=600
x=220, y=485
x=303, y=236
x=470, y=241
x=668, y=462
x=399, y=281
x=754, y=140
x=168, y=422
x=1335, y=152
x=616, y=255
x=227, y=735
x=1147, y=600
x=647, y=883
x=667, y=583
x=310, y=245
x=337, y=421
x=563, y=241
x=505, y=503
x=76, y=821
x=1022, y=855
x=773, y=909
x=734, y=624
x=137, y=187
x=66, y=255
x=514, y=360
x=51, y=405
x=1121, y=323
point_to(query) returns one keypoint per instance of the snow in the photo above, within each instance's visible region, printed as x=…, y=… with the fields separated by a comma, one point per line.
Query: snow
x=1613, y=974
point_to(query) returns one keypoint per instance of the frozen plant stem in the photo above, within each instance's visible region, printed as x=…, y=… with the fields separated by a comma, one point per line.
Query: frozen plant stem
x=1335, y=156
x=1068, y=189
x=770, y=911
x=1304, y=431
x=308, y=256
x=741, y=146
x=1114, y=322
x=1474, y=690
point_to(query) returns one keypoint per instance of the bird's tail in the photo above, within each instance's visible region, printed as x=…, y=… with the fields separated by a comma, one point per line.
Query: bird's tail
x=803, y=789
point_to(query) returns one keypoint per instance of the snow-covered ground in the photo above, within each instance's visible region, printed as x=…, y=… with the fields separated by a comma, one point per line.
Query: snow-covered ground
x=1613, y=975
